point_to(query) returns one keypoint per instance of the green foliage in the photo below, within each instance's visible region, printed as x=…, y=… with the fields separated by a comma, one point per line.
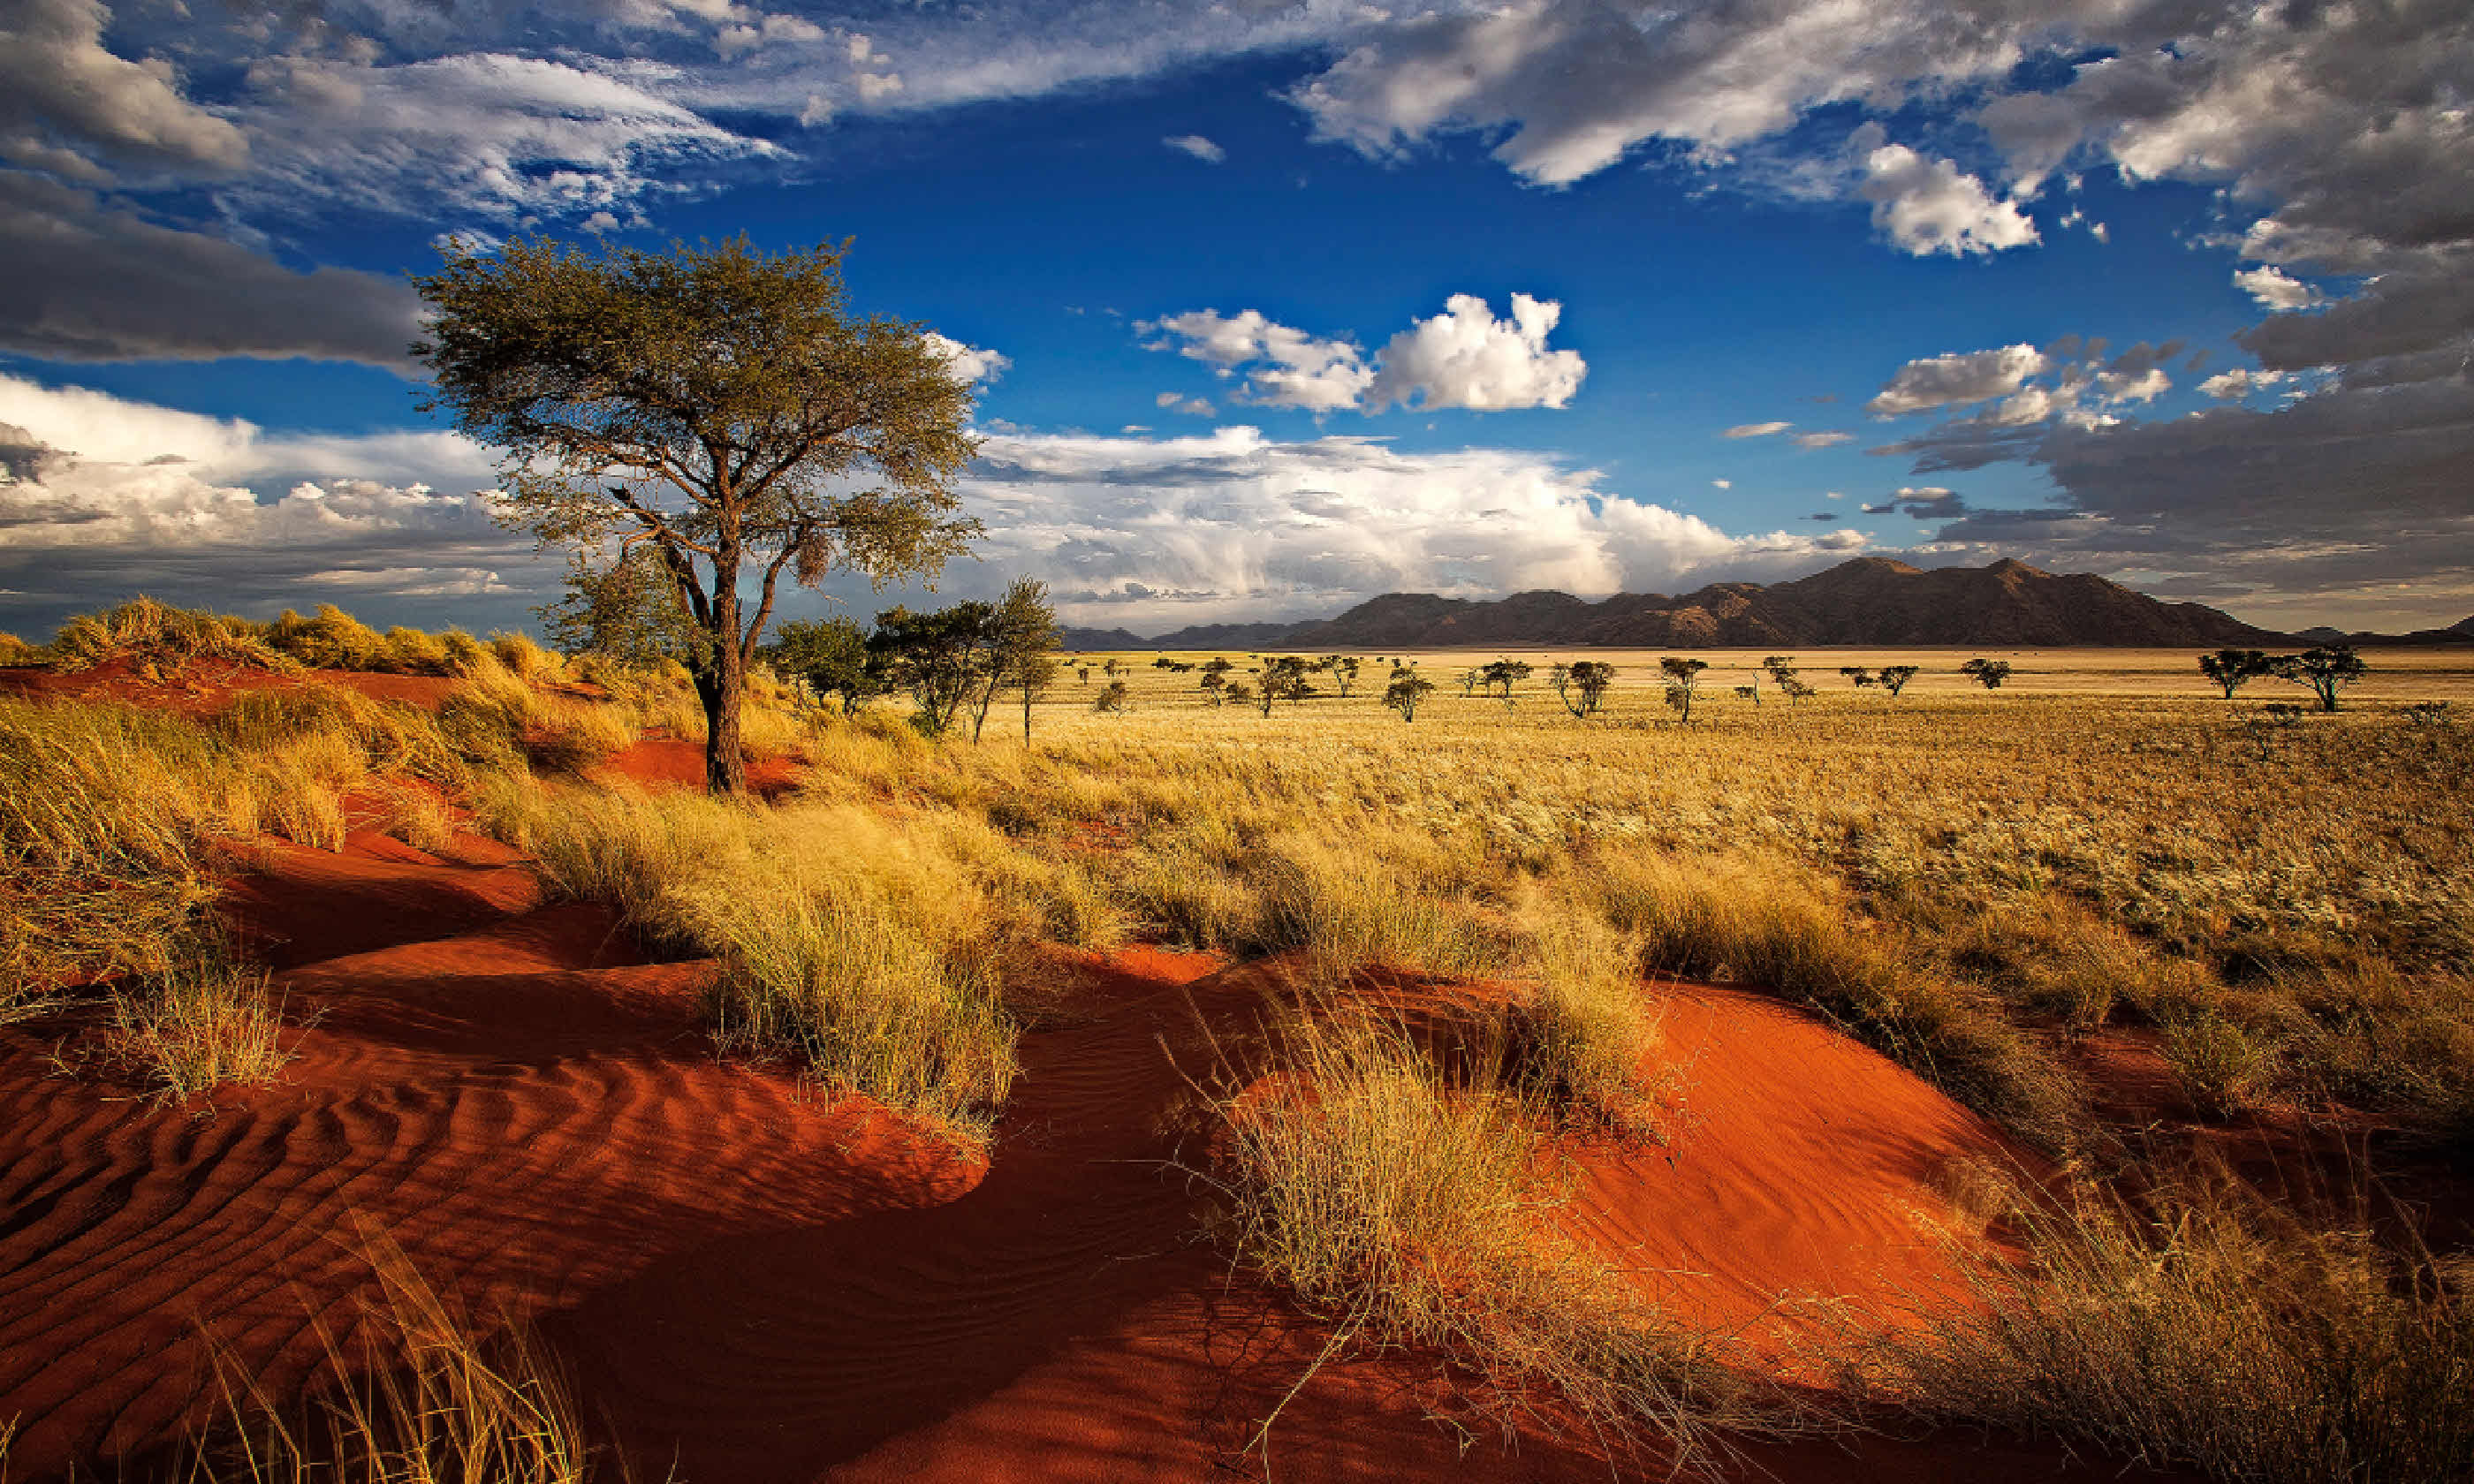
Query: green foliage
x=1682, y=684
x=831, y=655
x=1987, y=673
x=1284, y=678
x=2234, y=668
x=2324, y=671
x=628, y=610
x=1407, y=691
x=718, y=406
x=1500, y=676
x=1581, y=685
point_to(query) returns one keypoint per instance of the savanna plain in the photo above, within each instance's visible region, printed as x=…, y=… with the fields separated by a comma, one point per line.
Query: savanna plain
x=410, y=1074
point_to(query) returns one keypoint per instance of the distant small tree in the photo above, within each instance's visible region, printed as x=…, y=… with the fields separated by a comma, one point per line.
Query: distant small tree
x=1015, y=651
x=1240, y=692
x=1784, y=675
x=1022, y=638
x=1468, y=681
x=1592, y=679
x=1894, y=677
x=1987, y=673
x=1500, y=676
x=829, y=657
x=2324, y=669
x=1083, y=673
x=1682, y=682
x=1858, y=674
x=2427, y=713
x=1344, y=672
x=1111, y=700
x=1407, y=689
x=1751, y=693
x=2231, y=669
x=1110, y=667
x=1284, y=678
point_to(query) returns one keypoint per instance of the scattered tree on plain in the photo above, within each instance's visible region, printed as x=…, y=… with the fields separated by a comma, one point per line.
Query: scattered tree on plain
x=1500, y=676
x=1581, y=685
x=1240, y=692
x=1894, y=677
x=1022, y=640
x=1783, y=673
x=1858, y=674
x=1111, y=699
x=718, y=406
x=1344, y=672
x=1468, y=681
x=1987, y=673
x=2232, y=669
x=1284, y=678
x=1408, y=688
x=2324, y=669
x=1682, y=684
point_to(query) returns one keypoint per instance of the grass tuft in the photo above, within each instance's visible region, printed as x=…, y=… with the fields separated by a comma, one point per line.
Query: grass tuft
x=2210, y=1330
x=1410, y=1213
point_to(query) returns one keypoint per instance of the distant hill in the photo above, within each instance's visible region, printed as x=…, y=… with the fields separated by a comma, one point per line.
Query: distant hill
x=1869, y=602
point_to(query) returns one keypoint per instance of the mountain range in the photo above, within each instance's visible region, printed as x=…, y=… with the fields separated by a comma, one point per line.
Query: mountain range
x=1871, y=602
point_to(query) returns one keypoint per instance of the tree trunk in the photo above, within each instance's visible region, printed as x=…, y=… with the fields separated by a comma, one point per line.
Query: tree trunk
x=1025, y=717
x=723, y=685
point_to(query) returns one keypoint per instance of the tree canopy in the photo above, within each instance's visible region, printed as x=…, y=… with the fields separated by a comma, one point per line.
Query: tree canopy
x=718, y=406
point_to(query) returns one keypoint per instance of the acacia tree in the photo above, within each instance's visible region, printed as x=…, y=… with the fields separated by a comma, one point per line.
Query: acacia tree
x=2323, y=669
x=1783, y=671
x=1501, y=675
x=1022, y=638
x=1682, y=682
x=1284, y=678
x=719, y=406
x=1344, y=672
x=1894, y=677
x=2231, y=669
x=1987, y=673
x=942, y=658
x=1407, y=689
x=1858, y=674
x=1581, y=685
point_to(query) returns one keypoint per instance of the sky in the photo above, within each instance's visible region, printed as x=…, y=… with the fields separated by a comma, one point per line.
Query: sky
x=1271, y=308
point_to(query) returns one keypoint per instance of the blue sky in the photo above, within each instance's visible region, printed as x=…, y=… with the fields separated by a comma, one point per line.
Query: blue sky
x=1276, y=307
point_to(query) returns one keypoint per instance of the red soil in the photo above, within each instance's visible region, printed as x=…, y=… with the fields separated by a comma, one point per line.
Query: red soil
x=675, y=763
x=758, y=1287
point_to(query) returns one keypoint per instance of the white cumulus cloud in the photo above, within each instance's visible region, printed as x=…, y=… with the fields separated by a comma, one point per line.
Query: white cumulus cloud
x=1928, y=206
x=969, y=362
x=1198, y=147
x=1956, y=380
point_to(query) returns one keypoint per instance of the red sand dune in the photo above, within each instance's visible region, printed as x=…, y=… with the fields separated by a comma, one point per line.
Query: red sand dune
x=764, y=1288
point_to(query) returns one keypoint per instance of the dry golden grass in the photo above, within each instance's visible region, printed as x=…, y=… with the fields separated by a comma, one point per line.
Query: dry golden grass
x=205, y=1023
x=1411, y=1213
x=419, y=1396
x=2204, y=1329
x=869, y=950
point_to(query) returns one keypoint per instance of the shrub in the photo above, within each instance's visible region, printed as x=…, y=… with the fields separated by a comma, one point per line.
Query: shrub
x=204, y=1023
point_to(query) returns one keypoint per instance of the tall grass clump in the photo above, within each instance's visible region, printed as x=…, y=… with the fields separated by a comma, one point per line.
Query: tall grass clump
x=1740, y=922
x=1409, y=1213
x=153, y=635
x=495, y=714
x=2210, y=1330
x=204, y=1023
x=100, y=809
x=420, y=1396
x=865, y=949
x=1584, y=1029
